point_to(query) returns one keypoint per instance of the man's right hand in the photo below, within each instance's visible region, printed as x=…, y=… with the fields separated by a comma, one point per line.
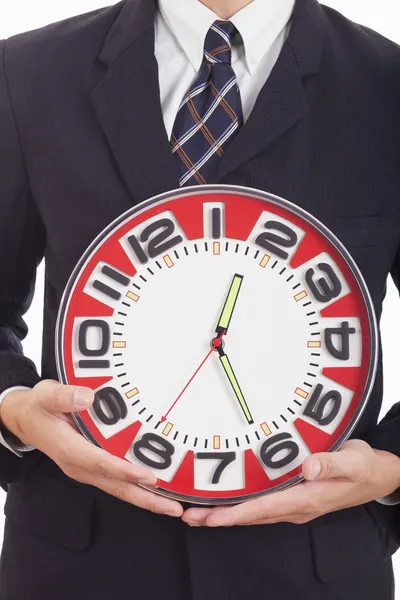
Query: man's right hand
x=41, y=418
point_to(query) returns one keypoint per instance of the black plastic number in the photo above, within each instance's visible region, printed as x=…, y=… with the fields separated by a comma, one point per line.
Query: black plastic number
x=344, y=332
x=115, y=276
x=104, y=329
x=225, y=457
x=325, y=289
x=316, y=406
x=216, y=222
x=278, y=443
x=274, y=243
x=109, y=398
x=155, y=445
x=158, y=244
x=105, y=337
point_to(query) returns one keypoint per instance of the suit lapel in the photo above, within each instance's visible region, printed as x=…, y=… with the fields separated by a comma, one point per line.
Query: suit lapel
x=282, y=101
x=128, y=107
x=280, y=104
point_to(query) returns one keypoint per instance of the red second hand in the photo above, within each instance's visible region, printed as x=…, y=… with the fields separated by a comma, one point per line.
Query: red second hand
x=215, y=344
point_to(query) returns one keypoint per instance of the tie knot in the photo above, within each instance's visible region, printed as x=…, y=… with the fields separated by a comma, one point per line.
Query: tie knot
x=218, y=42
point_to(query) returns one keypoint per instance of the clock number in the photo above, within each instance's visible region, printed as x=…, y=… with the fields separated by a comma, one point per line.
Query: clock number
x=115, y=276
x=109, y=398
x=216, y=223
x=104, y=330
x=225, y=457
x=158, y=244
x=154, y=445
x=325, y=289
x=214, y=220
x=344, y=331
x=316, y=406
x=278, y=443
x=274, y=243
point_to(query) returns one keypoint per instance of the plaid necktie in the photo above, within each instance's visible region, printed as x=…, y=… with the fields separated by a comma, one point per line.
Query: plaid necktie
x=210, y=114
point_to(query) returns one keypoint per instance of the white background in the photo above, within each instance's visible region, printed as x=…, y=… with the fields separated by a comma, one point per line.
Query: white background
x=383, y=16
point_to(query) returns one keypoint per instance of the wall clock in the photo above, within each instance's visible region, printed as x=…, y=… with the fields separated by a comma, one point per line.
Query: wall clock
x=227, y=334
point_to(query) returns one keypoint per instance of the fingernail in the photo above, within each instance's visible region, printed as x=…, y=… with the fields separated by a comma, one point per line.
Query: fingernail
x=193, y=523
x=82, y=397
x=171, y=513
x=149, y=483
x=315, y=469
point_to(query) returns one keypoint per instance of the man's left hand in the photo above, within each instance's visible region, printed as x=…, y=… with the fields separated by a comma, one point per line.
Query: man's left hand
x=353, y=475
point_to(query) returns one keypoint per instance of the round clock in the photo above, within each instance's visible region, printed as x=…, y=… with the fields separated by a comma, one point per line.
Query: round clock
x=227, y=334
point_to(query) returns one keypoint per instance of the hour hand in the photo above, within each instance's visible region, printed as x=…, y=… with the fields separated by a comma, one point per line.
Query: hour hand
x=229, y=305
x=235, y=385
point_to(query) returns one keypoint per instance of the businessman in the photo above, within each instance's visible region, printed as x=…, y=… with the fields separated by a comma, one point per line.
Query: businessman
x=91, y=116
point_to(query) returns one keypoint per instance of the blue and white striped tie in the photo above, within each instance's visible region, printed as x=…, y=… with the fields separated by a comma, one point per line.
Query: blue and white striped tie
x=211, y=112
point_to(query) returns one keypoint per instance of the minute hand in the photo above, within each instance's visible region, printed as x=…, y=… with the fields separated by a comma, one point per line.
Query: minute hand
x=235, y=385
x=229, y=305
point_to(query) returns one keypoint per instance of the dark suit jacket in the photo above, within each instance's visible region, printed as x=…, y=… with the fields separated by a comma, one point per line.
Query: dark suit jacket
x=82, y=140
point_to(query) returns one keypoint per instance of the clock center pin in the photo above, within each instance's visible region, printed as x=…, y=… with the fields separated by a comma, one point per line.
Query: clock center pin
x=217, y=343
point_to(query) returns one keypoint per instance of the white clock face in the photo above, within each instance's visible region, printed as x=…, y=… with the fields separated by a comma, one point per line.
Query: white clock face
x=226, y=337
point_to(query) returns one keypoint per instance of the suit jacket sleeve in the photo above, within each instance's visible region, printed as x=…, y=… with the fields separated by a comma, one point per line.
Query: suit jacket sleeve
x=22, y=245
x=386, y=435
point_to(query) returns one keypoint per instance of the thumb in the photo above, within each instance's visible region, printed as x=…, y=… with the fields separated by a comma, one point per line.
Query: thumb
x=350, y=464
x=56, y=397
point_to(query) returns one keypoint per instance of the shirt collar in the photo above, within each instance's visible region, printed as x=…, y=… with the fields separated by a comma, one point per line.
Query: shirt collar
x=259, y=23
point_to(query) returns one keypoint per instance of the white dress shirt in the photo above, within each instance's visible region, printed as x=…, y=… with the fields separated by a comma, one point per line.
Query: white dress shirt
x=18, y=449
x=181, y=28
x=180, y=31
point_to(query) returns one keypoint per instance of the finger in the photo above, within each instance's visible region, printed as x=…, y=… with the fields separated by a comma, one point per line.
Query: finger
x=55, y=397
x=295, y=519
x=323, y=497
x=103, y=464
x=351, y=463
x=92, y=465
x=78, y=457
x=136, y=495
x=273, y=506
x=82, y=454
x=196, y=517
